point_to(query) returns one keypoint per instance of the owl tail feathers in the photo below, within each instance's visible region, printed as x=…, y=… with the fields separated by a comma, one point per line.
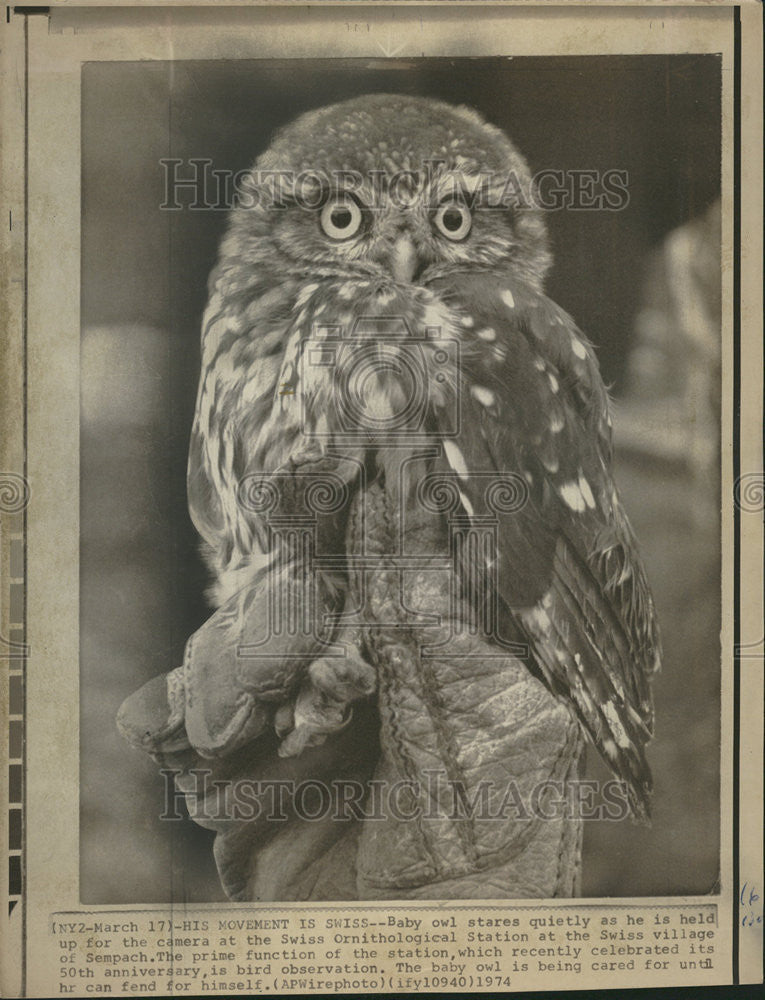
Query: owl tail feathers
x=620, y=737
x=621, y=743
x=640, y=805
x=596, y=697
x=633, y=770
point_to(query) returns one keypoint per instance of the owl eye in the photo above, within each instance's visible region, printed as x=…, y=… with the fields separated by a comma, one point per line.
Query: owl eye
x=340, y=218
x=453, y=220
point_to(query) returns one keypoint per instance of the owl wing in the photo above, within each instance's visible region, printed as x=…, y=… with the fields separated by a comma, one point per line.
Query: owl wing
x=247, y=422
x=241, y=359
x=568, y=571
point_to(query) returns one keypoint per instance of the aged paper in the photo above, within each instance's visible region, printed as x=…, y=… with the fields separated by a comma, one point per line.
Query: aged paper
x=196, y=807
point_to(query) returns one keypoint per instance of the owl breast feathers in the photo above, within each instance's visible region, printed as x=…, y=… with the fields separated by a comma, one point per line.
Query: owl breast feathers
x=397, y=212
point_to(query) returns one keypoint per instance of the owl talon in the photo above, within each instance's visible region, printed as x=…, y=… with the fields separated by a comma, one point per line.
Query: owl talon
x=284, y=720
x=343, y=680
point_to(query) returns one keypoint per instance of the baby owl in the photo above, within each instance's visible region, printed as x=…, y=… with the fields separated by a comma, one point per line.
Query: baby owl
x=379, y=292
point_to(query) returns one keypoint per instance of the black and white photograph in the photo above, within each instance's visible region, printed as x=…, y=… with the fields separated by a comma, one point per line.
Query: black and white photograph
x=400, y=450
x=381, y=498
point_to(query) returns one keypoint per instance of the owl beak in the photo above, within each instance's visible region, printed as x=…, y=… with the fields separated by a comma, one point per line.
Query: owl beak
x=405, y=263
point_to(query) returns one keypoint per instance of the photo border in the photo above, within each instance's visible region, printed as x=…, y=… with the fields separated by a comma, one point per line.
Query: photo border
x=22, y=249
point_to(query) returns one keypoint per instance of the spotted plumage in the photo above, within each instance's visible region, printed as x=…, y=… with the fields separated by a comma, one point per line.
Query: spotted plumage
x=404, y=225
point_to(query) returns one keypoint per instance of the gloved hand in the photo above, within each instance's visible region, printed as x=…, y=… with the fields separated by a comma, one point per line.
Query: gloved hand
x=428, y=787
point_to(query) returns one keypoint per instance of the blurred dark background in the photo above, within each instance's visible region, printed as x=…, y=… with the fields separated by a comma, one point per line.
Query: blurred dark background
x=144, y=274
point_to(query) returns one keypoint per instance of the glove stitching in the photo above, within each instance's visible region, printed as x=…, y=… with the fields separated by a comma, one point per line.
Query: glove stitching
x=446, y=744
x=390, y=685
x=434, y=705
x=397, y=746
x=570, y=749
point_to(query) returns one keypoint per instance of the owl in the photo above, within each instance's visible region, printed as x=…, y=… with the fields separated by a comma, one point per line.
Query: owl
x=380, y=290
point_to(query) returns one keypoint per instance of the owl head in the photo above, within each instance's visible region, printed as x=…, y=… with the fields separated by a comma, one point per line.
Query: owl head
x=396, y=188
